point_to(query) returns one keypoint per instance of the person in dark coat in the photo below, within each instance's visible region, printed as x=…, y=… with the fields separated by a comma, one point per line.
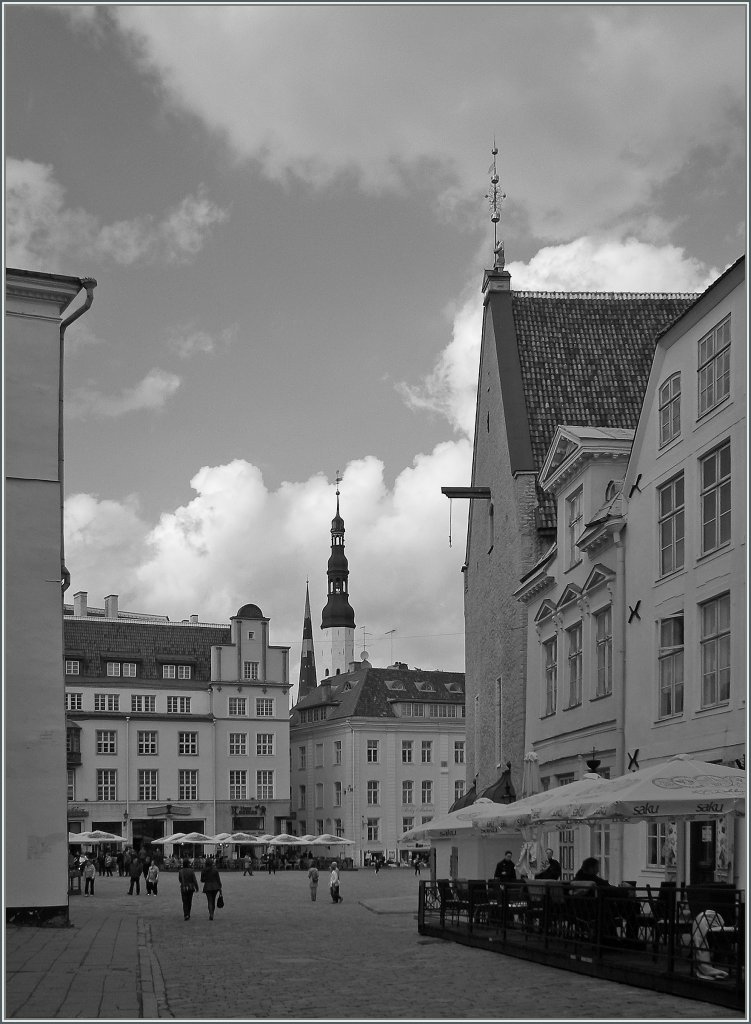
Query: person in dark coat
x=588, y=873
x=135, y=876
x=212, y=884
x=552, y=867
x=186, y=876
x=505, y=869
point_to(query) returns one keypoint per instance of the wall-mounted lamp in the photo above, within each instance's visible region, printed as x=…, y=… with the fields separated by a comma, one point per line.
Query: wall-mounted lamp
x=239, y=689
x=265, y=689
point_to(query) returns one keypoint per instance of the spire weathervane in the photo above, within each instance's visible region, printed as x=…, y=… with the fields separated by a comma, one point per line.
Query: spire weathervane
x=495, y=198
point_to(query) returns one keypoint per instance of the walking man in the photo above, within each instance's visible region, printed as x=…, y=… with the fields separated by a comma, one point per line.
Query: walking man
x=135, y=873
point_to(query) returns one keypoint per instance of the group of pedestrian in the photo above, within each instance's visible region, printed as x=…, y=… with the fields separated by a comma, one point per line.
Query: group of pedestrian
x=212, y=887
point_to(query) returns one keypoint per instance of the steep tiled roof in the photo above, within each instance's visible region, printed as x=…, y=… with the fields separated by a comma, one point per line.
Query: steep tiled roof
x=585, y=359
x=90, y=639
x=367, y=693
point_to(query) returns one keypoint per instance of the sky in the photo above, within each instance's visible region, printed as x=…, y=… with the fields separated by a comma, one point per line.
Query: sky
x=285, y=210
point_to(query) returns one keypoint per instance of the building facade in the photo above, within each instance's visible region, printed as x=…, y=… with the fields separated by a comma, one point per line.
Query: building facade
x=686, y=560
x=547, y=359
x=374, y=752
x=174, y=726
x=35, y=578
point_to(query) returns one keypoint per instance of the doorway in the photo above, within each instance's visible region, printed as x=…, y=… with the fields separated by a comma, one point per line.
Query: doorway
x=702, y=852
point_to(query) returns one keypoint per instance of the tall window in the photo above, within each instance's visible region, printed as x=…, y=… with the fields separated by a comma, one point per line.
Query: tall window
x=73, y=701
x=338, y=827
x=106, y=741
x=238, y=744
x=407, y=746
x=426, y=791
x=426, y=751
x=672, y=525
x=147, y=742
x=550, y=650
x=236, y=707
x=72, y=668
x=574, y=665
x=302, y=757
x=337, y=794
x=669, y=401
x=573, y=526
x=319, y=755
x=372, y=752
x=373, y=827
x=407, y=824
x=143, y=702
x=714, y=367
x=408, y=791
x=600, y=840
x=187, y=784
x=178, y=705
x=238, y=784
x=604, y=644
x=657, y=834
x=303, y=797
x=715, y=499
x=264, y=707
x=250, y=670
x=187, y=743
x=106, y=701
x=374, y=792
x=715, y=651
x=337, y=751
x=147, y=784
x=459, y=751
x=671, y=666
x=264, y=744
x=265, y=785
x=71, y=784
x=460, y=788
x=106, y=784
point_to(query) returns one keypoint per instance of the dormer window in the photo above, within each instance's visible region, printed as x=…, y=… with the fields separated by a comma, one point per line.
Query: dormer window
x=669, y=402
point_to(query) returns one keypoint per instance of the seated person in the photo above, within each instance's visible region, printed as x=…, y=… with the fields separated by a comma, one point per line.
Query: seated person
x=588, y=873
x=552, y=868
x=505, y=869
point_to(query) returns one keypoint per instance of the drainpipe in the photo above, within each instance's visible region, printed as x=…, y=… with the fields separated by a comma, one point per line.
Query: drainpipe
x=213, y=740
x=127, y=779
x=358, y=841
x=89, y=284
x=619, y=681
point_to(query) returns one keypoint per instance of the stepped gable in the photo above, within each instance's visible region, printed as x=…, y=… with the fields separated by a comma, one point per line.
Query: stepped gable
x=585, y=359
x=366, y=693
x=90, y=641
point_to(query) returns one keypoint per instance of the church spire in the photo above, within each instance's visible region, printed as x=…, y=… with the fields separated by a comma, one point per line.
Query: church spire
x=308, y=679
x=338, y=618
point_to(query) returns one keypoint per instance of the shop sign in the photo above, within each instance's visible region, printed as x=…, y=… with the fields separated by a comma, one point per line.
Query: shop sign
x=74, y=811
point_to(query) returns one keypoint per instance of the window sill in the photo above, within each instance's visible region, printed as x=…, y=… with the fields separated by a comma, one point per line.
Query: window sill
x=719, y=550
x=668, y=720
x=702, y=417
x=601, y=696
x=722, y=707
x=547, y=714
x=571, y=707
x=671, y=575
x=668, y=446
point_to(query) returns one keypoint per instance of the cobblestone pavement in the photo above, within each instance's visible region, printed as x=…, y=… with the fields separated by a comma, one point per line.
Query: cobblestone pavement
x=272, y=953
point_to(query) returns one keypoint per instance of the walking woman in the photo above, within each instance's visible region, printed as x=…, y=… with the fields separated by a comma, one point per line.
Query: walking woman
x=212, y=884
x=186, y=876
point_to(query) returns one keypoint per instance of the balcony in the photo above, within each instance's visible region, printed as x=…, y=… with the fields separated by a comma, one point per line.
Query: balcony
x=73, y=758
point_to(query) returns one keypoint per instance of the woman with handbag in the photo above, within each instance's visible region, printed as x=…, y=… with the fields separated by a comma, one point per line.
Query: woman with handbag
x=186, y=876
x=212, y=884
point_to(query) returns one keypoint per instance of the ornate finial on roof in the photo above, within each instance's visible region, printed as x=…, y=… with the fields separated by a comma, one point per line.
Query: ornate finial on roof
x=338, y=481
x=495, y=199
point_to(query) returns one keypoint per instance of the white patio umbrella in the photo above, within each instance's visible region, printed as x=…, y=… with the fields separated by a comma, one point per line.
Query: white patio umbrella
x=196, y=837
x=97, y=836
x=245, y=838
x=285, y=839
x=681, y=787
x=176, y=837
x=529, y=857
x=542, y=807
x=453, y=821
x=328, y=840
x=221, y=837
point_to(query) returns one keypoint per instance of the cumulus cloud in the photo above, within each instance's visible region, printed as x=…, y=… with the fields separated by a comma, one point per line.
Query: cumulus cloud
x=188, y=340
x=628, y=265
x=567, y=104
x=41, y=231
x=238, y=541
x=149, y=394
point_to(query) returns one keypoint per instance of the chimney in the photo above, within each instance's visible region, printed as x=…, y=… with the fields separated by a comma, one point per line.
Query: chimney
x=79, y=604
x=326, y=689
x=194, y=620
x=110, y=606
